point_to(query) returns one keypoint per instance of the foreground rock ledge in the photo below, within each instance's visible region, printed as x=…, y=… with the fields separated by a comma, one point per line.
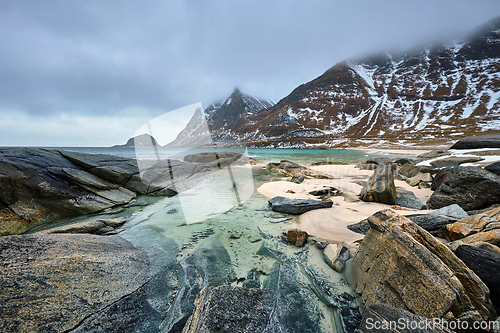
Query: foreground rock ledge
x=402, y=265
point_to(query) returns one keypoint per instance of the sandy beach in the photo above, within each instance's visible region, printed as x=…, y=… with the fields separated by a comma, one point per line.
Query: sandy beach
x=330, y=224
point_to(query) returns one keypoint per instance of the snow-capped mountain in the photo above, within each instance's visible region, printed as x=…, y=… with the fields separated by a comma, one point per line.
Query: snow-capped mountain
x=445, y=91
x=222, y=121
x=438, y=91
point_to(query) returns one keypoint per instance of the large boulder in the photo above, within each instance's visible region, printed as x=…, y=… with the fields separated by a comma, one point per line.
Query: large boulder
x=469, y=187
x=494, y=167
x=408, y=199
x=380, y=187
x=297, y=206
x=295, y=170
x=479, y=141
x=402, y=265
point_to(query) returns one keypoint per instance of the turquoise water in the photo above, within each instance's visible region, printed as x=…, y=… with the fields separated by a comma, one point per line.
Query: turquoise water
x=260, y=154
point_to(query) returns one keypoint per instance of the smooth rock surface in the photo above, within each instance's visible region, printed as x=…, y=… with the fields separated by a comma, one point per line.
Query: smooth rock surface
x=380, y=187
x=469, y=187
x=408, y=199
x=296, y=206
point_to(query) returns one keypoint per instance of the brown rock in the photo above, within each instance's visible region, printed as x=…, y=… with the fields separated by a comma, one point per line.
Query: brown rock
x=402, y=265
x=484, y=222
x=380, y=187
x=296, y=237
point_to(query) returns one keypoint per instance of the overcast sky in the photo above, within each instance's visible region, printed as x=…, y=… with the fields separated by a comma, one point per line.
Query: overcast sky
x=90, y=73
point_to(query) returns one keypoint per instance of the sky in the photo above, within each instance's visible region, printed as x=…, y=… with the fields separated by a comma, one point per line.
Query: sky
x=90, y=73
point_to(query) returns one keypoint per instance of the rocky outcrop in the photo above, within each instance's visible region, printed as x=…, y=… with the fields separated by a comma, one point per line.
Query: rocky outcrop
x=469, y=187
x=453, y=161
x=388, y=319
x=297, y=206
x=402, y=265
x=143, y=140
x=486, y=265
x=41, y=185
x=380, y=187
x=479, y=141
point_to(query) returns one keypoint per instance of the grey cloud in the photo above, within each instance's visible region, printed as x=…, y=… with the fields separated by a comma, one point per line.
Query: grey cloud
x=100, y=57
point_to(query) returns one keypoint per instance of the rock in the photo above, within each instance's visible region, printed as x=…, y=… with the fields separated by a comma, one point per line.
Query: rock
x=486, y=265
x=362, y=227
x=297, y=179
x=296, y=206
x=403, y=161
x=227, y=309
x=484, y=210
x=380, y=187
x=220, y=158
x=469, y=187
x=396, y=207
x=388, y=319
x=419, y=178
x=252, y=279
x=408, y=199
x=479, y=141
x=336, y=256
x=296, y=237
x=434, y=154
x=409, y=170
x=328, y=191
x=39, y=186
x=367, y=166
x=400, y=264
x=494, y=167
x=455, y=161
x=291, y=169
x=453, y=211
x=439, y=179
x=430, y=222
x=492, y=237
x=143, y=140
x=51, y=283
x=424, y=185
x=470, y=225
x=486, y=246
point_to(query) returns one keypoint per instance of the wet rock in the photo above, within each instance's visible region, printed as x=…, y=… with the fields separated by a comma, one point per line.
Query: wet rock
x=380, y=187
x=296, y=237
x=486, y=265
x=419, y=178
x=402, y=265
x=227, y=309
x=388, y=319
x=296, y=206
x=52, y=283
x=494, y=167
x=408, y=199
x=453, y=161
x=208, y=266
x=336, y=256
x=479, y=141
x=469, y=187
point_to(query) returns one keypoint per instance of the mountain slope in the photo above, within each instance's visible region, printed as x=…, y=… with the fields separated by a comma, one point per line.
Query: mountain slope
x=443, y=90
x=221, y=120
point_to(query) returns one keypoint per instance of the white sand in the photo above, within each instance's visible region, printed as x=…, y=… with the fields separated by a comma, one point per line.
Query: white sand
x=331, y=223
